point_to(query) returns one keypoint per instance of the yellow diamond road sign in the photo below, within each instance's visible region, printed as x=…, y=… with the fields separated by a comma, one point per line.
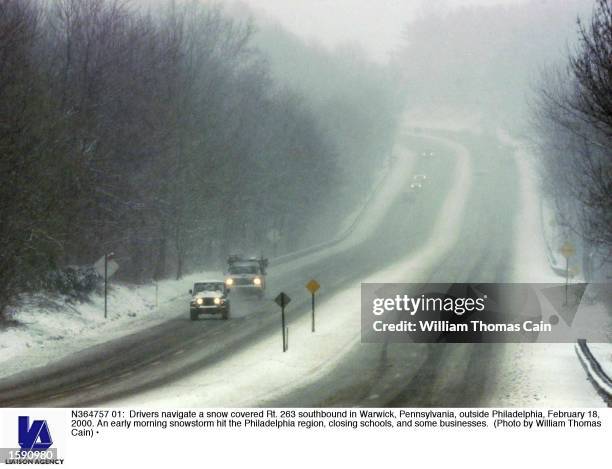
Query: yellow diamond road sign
x=568, y=250
x=313, y=286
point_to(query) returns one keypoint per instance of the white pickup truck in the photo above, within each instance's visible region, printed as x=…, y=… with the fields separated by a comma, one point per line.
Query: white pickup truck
x=209, y=297
x=246, y=275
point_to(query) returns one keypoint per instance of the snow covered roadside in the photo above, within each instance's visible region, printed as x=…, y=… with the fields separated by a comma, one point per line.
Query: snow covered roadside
x=50, y=328
x=544, y=373
x=531, y=261
x=535, y=261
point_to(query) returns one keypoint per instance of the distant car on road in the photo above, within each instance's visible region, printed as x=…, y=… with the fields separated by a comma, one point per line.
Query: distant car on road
x=416, y=186
x=209, y=297
x=246, y=275
x=419, y=178
x=413, y=189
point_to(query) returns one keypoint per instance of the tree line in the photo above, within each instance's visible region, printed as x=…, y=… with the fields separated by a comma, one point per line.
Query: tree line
x=573, y=117
x=158, y=135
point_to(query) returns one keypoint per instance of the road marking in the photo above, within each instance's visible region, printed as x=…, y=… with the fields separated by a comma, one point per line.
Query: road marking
x=179, y=352
x=56, y=396
x=126, y=374
x=158, y=362
x=91, y=386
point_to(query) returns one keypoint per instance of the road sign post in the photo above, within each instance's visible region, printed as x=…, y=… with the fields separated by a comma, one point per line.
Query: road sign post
x=107, y=275
x=283, y=300
x=313, y=312
x=105, y=284
x=567, y=250
x=106, y=267
x=312, y=286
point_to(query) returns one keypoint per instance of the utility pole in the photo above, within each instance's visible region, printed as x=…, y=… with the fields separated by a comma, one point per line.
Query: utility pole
x=107, y=256
x=105, y=285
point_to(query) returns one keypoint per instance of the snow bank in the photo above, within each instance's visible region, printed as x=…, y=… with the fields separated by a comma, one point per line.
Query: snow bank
x=531, y=263
x=48, y=327
x=554, y=237
x=543, y=373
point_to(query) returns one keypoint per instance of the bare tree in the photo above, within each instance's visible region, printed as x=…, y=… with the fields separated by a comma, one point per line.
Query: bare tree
x=574, y=118
x=160, y=136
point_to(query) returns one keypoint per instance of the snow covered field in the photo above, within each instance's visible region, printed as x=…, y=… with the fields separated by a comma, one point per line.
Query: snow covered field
x=50, y=328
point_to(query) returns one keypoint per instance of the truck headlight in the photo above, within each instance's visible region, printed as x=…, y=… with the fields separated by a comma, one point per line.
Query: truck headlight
x=257, y=281
x=199, y=301
x=217, y=301
x=229, y=281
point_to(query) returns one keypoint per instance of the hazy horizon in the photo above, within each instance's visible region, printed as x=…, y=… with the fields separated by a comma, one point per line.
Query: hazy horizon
x=376, y=27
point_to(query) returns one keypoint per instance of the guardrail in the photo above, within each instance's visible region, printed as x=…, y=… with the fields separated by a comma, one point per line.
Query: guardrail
x=599, y=378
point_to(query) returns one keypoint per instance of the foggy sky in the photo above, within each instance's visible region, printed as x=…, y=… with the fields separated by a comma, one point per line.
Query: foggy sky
x=376, y=25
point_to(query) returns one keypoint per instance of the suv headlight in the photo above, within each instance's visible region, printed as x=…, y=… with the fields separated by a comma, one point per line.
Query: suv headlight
x=199, y=301
x=218, y=301
x=229, y=281
x=257, y=281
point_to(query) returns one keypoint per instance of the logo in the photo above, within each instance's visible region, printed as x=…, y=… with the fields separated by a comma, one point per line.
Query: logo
x=34, y=437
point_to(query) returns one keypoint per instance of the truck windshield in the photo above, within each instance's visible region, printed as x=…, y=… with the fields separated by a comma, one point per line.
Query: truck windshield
x=208, y=286
x=243, y=269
